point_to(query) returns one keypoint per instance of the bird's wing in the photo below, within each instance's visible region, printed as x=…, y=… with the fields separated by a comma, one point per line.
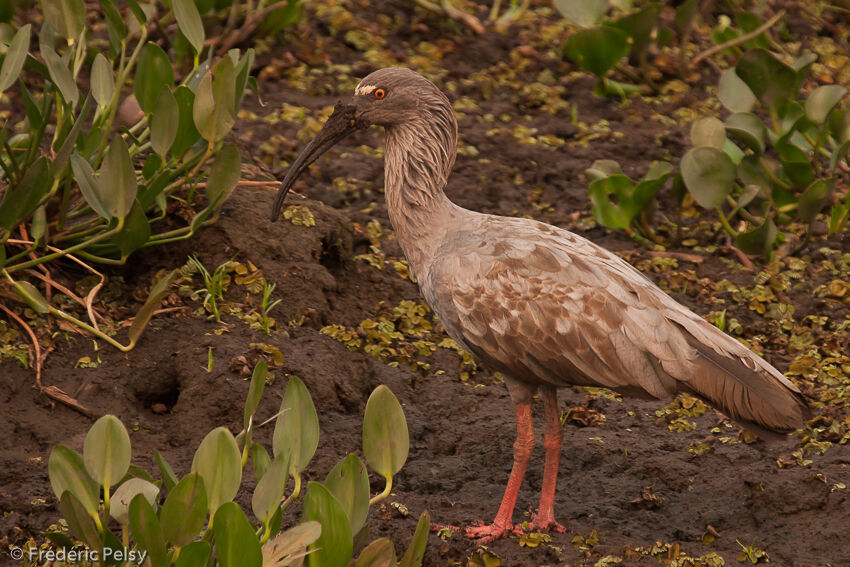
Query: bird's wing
x=547, y=306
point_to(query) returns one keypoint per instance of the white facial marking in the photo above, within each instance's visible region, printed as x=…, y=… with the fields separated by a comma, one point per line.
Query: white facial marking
x=364, y=89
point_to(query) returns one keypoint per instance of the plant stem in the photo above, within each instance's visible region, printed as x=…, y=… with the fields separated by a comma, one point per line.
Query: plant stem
x=725, y=222
x=740, y=39
x=378, y=497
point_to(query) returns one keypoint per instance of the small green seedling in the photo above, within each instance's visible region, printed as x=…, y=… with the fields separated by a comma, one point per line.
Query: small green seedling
x=215, y=285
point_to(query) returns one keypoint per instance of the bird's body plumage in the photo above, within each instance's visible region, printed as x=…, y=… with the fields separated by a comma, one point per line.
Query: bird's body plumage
x=545, y=306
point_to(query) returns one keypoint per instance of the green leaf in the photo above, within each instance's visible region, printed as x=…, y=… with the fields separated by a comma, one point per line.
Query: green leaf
x=584, y=13
x=269, y=491
x=189, y=22
x=386, y=441
x=772, y=81
x=597, y=50
x=117, y=179
x=255, y=392
x=759, y=240
x=187, y=133
x=379, y=553
x=814, y=198
x=169, y=479
x=709, y=175
x=66, y=146
x=348, y=481
x=822, y=100
x=287, y=546
x=607, y=212
x=734, y=93
x=224, y=175
x=184, y=511
x=136, y=231
x=79, y=520
x=144, y=315
x=164, y=121
x=242, y=69
x=795, y=164
x=15, y=57
x=146, y=530
x=686, y=14
x=60, y=75
x=194, y=554
x=335, y=546
x=416, y=550
x=120, y=504
x=708, y=131
x=236, y=543
x=297, y=427
x=67, y=472
x=748, y=129
x=21, y=199
x=32, y=296
x=153, y=72
x=603, y=168
x=260, y=460
x=219, y=463
x=106, y=451
x=640, y=25
x=66, y=17
x=102, y=80
x=214, y=102
x=644, y=192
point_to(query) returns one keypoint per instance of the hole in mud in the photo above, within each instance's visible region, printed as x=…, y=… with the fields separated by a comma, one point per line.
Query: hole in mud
x=158, y=392
x=331, y=256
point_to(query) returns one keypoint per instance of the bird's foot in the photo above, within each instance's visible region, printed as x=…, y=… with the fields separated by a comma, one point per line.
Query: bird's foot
x=491, y=532
x=545, y=523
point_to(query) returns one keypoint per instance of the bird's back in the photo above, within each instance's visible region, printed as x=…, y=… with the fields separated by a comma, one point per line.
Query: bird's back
x=546, y=306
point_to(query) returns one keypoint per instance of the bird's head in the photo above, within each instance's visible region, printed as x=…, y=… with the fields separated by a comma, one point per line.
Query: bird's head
x=388, y=97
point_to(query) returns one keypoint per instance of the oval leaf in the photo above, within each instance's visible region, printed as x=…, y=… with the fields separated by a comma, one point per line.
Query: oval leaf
x=759, y=240
x=748, y=129
x=164, y=121
x=79, y=520
x=708, y=131
x=102, y=80
x=153, y=72
x=120, y=504
x=106, y=451
x=822, y=100
x=66, y=17
x=379, y=553
x=269, y=492
x=255, y=392
x=87, y=182
x=416, y=550
x=348, y=481
x=187, y=133
x=32, y=296
x=194, y=554
x=335, y=546
x=146, y=530
x=597, y=49
x=67, y=472
x=297, y=427
x=283, y=548
x=21, y=199
x=224, y=175
x=135, y=233
x=709, y=175
x=219, y=463
x=236, y=543
x=16, y=55
x=734, y=93
x=772, y=81
x=584, y=13
x=386, y=441
x=189, y=22
x=117, y=179
x=184, y=511
x=61, y=75
x=814, y=198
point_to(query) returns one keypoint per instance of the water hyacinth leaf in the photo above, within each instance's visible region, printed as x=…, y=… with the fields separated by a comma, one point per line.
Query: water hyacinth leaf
x=287, y=546
x=734, y=94
x=814, y=199
x=732, y=150
x=187, y=133
x=16, y=55
x=189, y=22
x=759, y=240
x=603, y=168
x=772, y=81
x=583, y=14
x=657, y=170
x=184, y=511
x=348, y=481
x=79, y=520
x=60, y=75
x=379, y=553
x=235, y=541
x=136, y=231
x=124, y=495
x=67, y=472
x=195, y=554
x=597, y=50
x=260, y=460
x=102, y=80
x=164, y=121
x=117, y=179
x=144, y=315
x=644, y=192
x=21, y=199
x=708, y=131
x=146, y=530
x=795, y=164
x=386, y=441
x=66, y=17
x=748, y=129
x=822, y=100
x=297, y=427
x=335, y=545
x=215, y=99
x=416, y=550
x=87, y=182
x=709, y=175
x=605, y=210
x=639, y=26
x=224, y=175
x=269, y=491
x=106, y=450
x=219, y=463
x=255, y=392
x=152, y=73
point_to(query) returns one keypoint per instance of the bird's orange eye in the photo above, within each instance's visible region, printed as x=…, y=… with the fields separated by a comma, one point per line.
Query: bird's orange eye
x=380, y=93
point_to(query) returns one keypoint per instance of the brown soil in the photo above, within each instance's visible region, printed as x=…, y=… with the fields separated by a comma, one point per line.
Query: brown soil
x=461, y=431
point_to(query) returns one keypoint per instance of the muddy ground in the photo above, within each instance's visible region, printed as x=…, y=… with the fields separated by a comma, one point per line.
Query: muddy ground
x=529, y=127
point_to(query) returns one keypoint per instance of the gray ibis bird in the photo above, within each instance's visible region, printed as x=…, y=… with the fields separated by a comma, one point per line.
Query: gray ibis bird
x=546, y=307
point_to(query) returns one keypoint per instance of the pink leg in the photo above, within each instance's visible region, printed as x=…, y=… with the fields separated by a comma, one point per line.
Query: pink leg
x=552, y=440
x=503, y=524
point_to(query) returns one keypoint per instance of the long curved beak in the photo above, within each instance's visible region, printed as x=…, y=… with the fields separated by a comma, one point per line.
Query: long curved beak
x=340, y=124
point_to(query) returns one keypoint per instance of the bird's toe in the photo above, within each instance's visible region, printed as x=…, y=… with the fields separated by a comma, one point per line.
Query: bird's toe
x=490, y=532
